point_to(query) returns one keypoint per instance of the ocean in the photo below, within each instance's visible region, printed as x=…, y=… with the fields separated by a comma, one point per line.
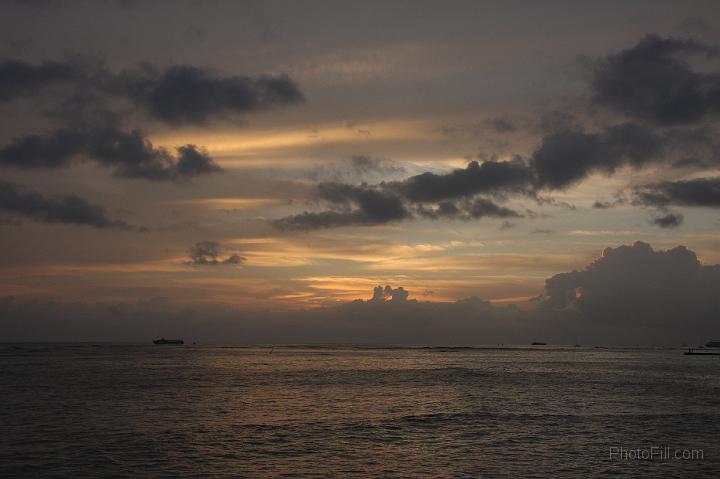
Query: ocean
x=121, y=410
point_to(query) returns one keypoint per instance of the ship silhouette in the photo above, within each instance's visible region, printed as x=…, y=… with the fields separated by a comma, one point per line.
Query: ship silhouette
x=168, y=341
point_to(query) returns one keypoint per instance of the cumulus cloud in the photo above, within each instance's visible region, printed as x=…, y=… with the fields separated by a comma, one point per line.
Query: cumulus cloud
x=128, y=153
x=381, y=294
x=209, y=253
x=17, y=200
x=636, y=285
x=656, y=81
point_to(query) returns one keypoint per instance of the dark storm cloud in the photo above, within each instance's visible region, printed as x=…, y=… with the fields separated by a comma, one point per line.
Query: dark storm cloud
x=655, y=81
x=351, y=205
x=700, y=192
x=128, y=153
x=190, y=95
x=635, y=285
x=208, y=253
x=488, y=177
x=177, y=95
x=564, y=158
x=669, y=220
x=17, y=200
x=567, y=157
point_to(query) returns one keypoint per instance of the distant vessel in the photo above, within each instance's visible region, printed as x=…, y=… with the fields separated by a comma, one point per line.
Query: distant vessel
x=695, y=352
x=700, y=350
x=168, y=341
x=537, y=343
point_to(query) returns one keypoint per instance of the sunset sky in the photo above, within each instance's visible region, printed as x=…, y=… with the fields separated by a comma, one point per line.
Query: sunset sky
x=291, y=156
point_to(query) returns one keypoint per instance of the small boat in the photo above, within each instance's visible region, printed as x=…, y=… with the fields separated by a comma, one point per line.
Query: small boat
x=712, y=344
x=538, y=343
x=168, y=341
x=695, y=352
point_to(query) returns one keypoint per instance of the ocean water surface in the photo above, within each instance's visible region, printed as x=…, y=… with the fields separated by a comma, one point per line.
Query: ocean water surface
x=112, y=410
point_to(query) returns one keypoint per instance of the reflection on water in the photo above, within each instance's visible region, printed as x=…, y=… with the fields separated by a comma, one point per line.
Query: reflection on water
x=198, y=411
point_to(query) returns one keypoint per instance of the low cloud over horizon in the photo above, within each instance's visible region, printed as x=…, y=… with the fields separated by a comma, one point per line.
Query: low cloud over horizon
x=631, y=295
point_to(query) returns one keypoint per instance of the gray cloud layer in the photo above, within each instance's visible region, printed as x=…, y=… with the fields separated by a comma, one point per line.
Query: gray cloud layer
x=180, y=94
x=696, y=192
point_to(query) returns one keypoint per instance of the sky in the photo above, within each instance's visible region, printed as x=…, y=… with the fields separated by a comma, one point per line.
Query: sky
x=254, y=171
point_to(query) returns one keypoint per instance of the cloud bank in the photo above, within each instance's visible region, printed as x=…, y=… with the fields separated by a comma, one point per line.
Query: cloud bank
x=630, y=295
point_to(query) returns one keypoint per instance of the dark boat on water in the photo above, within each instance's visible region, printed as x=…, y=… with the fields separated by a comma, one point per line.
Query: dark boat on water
x=168, y=341
x=695, y=352
x=712, y=346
